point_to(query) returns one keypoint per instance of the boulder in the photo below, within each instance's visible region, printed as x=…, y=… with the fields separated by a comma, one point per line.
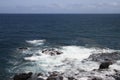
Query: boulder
x=22, y=76
x=51, y=52
x=105, y=65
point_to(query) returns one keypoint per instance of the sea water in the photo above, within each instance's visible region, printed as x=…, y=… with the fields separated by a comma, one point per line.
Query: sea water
x=76, y=35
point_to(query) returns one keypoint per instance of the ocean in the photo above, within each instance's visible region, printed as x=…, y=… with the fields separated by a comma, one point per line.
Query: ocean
x=76, y=35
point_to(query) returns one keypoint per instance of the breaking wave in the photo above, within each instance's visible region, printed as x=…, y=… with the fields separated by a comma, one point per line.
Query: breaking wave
x=72, y=59
x=36, y=42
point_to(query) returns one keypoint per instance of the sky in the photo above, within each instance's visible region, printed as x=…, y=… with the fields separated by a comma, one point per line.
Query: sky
x=59, y=6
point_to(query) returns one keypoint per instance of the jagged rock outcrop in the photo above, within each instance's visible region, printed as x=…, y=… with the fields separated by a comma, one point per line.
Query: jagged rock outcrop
x=51, y=52
x=105, y=65
x=55, y=76
x=102, y=72
x=105, y=57
x=22, y=76
x=86, y=75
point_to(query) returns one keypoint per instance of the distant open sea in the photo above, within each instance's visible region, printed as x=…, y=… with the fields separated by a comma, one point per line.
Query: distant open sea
x=71, y=33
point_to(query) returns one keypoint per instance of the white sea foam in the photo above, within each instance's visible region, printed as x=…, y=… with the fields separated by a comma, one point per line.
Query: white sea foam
x=116, y=65
x=36, y=42
x=71, y=58
x=76, y=52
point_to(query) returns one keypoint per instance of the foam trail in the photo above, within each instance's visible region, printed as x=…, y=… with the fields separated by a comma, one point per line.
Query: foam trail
x=36, y=42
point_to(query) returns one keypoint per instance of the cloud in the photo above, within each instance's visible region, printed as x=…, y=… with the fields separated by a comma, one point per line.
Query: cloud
x=109, y=4
x=77, y=6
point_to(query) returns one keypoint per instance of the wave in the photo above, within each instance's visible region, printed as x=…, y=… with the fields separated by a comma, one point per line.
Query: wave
x=36, y=42
x=71, y=58
x=74, y=58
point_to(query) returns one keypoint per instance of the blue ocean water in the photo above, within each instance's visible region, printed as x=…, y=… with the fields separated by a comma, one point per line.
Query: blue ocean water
x=86, y=30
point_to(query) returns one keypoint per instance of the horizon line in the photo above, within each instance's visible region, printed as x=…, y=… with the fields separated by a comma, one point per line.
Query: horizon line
x=59, y=13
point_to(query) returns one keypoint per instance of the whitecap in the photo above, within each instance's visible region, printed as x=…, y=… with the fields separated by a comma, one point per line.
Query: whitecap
x=36, y=42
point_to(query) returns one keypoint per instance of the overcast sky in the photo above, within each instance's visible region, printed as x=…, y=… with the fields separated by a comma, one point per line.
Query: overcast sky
x=59, y=6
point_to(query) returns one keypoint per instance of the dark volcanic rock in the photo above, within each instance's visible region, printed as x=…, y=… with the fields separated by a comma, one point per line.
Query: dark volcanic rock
x=40, y=79
x=117, y=75
x=22, y=76
x=96, y=78
x=104, y=57
x=23, y=48
x=51, y=52
x=55, y=76
x=105, y=65
x=39, y=74
x=106, y=60
x=71, y=78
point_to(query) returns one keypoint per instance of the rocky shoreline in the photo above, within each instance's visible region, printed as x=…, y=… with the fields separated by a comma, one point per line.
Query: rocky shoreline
x=104, y=72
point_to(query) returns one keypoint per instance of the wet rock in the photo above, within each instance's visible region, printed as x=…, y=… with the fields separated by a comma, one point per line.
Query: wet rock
x=39, y=74
x=22, y=76
x=51, y=52
x=40, y=79
x=55, y=76
x=116, y=75
x=22, y=48
x=104, y=57
x=105, y=65
x=96, y=78
x=71, y=78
